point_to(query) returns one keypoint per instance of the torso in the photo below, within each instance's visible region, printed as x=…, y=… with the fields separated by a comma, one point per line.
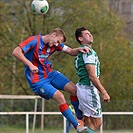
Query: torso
x=80, y=64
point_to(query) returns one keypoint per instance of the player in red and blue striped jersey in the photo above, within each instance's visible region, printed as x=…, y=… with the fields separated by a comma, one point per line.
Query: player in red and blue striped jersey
x=34, y=53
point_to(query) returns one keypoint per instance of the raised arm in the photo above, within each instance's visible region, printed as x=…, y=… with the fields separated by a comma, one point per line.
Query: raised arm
x=75, y=51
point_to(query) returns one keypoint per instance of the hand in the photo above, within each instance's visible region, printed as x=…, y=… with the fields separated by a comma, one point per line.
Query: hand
x=84, y=50
x=106, y=97
x=34, y=69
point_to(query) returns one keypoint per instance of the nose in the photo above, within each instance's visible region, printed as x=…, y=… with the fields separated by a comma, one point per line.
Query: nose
x=56, y=43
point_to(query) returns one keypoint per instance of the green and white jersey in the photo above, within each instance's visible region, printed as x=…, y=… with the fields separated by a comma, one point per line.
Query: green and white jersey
x=80, y=64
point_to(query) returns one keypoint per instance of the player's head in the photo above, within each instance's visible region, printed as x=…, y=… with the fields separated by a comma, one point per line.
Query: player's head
x=83, y=36
x=59, y=33
x=56, y=37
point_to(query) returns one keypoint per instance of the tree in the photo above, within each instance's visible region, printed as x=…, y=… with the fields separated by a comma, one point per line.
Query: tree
x=19, y=22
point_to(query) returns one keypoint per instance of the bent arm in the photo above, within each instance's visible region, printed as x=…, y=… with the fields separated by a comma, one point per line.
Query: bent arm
x=95, y=80
x=18, y=53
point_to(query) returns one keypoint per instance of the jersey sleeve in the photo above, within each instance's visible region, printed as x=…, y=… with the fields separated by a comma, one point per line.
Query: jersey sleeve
x=62, y=47
x=28, y=44
x=89, y=59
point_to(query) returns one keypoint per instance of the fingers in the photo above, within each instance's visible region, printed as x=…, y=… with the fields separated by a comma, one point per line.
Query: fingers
x=106, y=99
x=85, y=51
x=35, y=71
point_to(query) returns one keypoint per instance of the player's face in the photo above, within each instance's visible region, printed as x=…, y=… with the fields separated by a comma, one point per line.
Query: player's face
x=87, y=37
x=55, y=41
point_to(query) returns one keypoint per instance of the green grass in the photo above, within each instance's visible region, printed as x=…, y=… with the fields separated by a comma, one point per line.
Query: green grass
x=22, y=130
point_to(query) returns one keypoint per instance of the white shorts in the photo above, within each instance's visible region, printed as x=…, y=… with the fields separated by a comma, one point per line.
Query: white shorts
x=89, y=101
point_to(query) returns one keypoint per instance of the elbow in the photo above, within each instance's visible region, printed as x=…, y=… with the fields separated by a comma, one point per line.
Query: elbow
x=14, y=52
x=91, y=77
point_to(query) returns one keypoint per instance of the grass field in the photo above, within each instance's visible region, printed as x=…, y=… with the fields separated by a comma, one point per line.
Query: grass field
x=20, y=130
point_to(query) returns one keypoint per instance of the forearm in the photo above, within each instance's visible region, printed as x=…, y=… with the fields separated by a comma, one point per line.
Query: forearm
x=74, y=51
x=96, y=82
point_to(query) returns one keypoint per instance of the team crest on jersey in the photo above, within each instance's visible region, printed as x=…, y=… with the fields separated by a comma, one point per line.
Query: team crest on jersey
x=42, y=90
x=48, y=50
x=40, y=48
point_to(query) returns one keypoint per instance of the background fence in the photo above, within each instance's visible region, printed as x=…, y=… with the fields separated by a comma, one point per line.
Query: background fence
x=34, y=109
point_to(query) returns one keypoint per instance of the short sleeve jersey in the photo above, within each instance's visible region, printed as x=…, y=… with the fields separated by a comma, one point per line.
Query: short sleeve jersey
x=80, y=64
x=36, y=51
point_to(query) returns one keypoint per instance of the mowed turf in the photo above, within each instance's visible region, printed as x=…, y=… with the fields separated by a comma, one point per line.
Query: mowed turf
x=20, y=130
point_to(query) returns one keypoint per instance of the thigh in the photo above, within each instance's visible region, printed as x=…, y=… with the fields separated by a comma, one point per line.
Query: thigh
x=89, y=101
x=59, y=81
x=82, y=97
x=46, y=91
x=93, y=123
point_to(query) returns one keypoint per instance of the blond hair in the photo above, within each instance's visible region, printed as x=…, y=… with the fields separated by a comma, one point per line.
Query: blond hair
x=59, y=32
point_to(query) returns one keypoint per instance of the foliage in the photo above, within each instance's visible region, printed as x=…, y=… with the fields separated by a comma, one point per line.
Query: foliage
x=115, y=52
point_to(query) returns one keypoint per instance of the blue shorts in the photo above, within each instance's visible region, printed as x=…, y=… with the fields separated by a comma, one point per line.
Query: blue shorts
x=47, y=87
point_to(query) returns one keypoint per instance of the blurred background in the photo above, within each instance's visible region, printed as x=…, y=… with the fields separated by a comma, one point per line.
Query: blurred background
x=111, y=24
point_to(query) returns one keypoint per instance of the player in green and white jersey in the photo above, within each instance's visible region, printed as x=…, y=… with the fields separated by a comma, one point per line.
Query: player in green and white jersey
x=89, y=86
x=80, y=64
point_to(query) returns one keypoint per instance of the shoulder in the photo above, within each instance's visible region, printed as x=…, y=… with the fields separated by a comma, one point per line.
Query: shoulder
x=29, y=42
x=31, y=39
x=92, y=52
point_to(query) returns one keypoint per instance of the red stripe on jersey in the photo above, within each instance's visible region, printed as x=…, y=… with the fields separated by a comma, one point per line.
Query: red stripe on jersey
x=59, y=48
x=73, y=98
x=63, y=107
x=49, y=68
x=44, y=69
x=52, y=49
x=44, y=51
x=35, y=61
x=22, y=44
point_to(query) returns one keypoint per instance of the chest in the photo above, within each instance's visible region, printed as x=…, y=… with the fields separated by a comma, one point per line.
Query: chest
x=44, y=52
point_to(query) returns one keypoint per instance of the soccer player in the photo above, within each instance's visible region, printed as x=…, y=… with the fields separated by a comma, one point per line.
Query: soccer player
x=89, y=86
x=34, y=53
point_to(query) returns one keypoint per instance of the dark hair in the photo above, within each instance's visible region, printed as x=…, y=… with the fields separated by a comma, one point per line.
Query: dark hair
x=78, y=33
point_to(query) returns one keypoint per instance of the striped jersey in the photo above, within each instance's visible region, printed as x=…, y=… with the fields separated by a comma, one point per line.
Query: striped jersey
x=80, y=64
x=36, y=51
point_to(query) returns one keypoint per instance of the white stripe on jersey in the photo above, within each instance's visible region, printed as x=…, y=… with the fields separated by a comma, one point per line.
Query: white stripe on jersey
x=64, y=48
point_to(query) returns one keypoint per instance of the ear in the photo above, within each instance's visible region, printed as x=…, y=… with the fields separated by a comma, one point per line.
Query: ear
x=53, y=34
x=80, y=39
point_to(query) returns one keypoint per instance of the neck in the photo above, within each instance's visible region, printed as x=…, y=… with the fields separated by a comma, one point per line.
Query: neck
x=90, y=45
x=45, y=38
